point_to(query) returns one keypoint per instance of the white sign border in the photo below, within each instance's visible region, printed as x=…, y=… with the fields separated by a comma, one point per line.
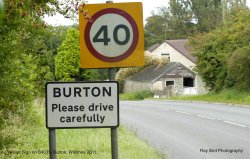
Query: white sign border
x=46, y=106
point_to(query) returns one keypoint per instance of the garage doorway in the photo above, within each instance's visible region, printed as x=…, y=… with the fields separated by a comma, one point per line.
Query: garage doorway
x=188, y=82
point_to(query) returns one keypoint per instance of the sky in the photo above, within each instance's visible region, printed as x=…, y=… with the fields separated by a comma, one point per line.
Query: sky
x=148, y=7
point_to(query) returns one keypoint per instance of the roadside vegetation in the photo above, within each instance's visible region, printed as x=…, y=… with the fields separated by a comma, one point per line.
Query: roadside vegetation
x=32, y=142
x=223, y=54
x=226, y=96
x=139, y=95
x=223, y=59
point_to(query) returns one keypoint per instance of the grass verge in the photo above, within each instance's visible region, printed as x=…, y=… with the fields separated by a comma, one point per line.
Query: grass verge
x=226, y=96
x=76, y=143
x=140, y=95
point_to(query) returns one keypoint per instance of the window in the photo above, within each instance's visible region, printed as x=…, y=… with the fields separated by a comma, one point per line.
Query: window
x=169, y=83
x=188, y=82
x=165, y=55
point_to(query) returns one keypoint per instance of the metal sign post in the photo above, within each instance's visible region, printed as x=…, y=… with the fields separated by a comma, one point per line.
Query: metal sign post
x=114, y=142
x=52, y=143
x=114, y=131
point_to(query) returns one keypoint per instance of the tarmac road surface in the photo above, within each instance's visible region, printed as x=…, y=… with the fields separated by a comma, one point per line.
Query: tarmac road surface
x=185, y=130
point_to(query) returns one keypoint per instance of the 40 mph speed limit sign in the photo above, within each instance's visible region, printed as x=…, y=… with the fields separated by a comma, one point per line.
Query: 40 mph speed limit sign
x=112, y=36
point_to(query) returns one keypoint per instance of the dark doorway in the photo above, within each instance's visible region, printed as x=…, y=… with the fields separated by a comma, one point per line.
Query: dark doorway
x=188, y=82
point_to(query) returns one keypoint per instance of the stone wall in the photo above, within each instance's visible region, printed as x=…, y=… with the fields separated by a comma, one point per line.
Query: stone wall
x=200, y=85
x=169, y=91
x=134, y=86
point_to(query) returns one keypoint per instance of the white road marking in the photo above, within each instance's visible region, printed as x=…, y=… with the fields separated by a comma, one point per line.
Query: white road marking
x=202, y=116
x=207, y=117
x=232, y=123
x=158, y=108
x=183, y=112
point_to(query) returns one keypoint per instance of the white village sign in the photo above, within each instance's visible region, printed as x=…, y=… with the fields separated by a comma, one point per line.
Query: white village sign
x=82, y=105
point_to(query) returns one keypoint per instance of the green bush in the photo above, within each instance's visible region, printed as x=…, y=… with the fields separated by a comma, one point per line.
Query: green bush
x=239, y=67
x=223, y=54
x=225, y=96
x=140, y=95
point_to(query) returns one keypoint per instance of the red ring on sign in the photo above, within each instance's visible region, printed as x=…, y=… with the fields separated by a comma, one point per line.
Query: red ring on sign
x=94, y=52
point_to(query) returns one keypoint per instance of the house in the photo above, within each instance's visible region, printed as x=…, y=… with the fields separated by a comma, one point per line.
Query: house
x=175, y=78
x=175, y=51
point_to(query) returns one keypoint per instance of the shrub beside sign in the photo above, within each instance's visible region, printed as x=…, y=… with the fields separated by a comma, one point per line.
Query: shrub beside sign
x=82, y=105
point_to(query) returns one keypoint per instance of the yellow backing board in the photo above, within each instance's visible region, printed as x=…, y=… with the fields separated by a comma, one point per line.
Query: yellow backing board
x=113, y=36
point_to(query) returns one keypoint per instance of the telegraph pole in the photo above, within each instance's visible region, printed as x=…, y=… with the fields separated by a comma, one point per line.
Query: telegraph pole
x=223, y=6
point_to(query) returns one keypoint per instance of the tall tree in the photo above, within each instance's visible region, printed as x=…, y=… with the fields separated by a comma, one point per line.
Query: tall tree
x=1, y=10
x=181, y=19
x=217, y=51
x=21, y=40
x=173, y=22
x=239, y=67
x=23, y=60
x=207, y=14
x=68, y=59
x=184, y=18
x=154, y=30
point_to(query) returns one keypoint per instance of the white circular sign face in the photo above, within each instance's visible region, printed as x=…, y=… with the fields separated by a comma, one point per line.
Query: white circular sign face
x=112, y=35
x=113, y=28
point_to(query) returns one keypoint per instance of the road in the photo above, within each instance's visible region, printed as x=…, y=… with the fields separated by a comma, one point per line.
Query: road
x=185, y=130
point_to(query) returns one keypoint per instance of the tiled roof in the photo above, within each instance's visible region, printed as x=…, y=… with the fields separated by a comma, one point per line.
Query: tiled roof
x=152, y=48
x=152, y=72
x=181, y=45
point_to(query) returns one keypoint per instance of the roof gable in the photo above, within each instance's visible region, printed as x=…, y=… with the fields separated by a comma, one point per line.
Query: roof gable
x=181, y=45
x=152, y=48
x=177, y=70
x=149, y=73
